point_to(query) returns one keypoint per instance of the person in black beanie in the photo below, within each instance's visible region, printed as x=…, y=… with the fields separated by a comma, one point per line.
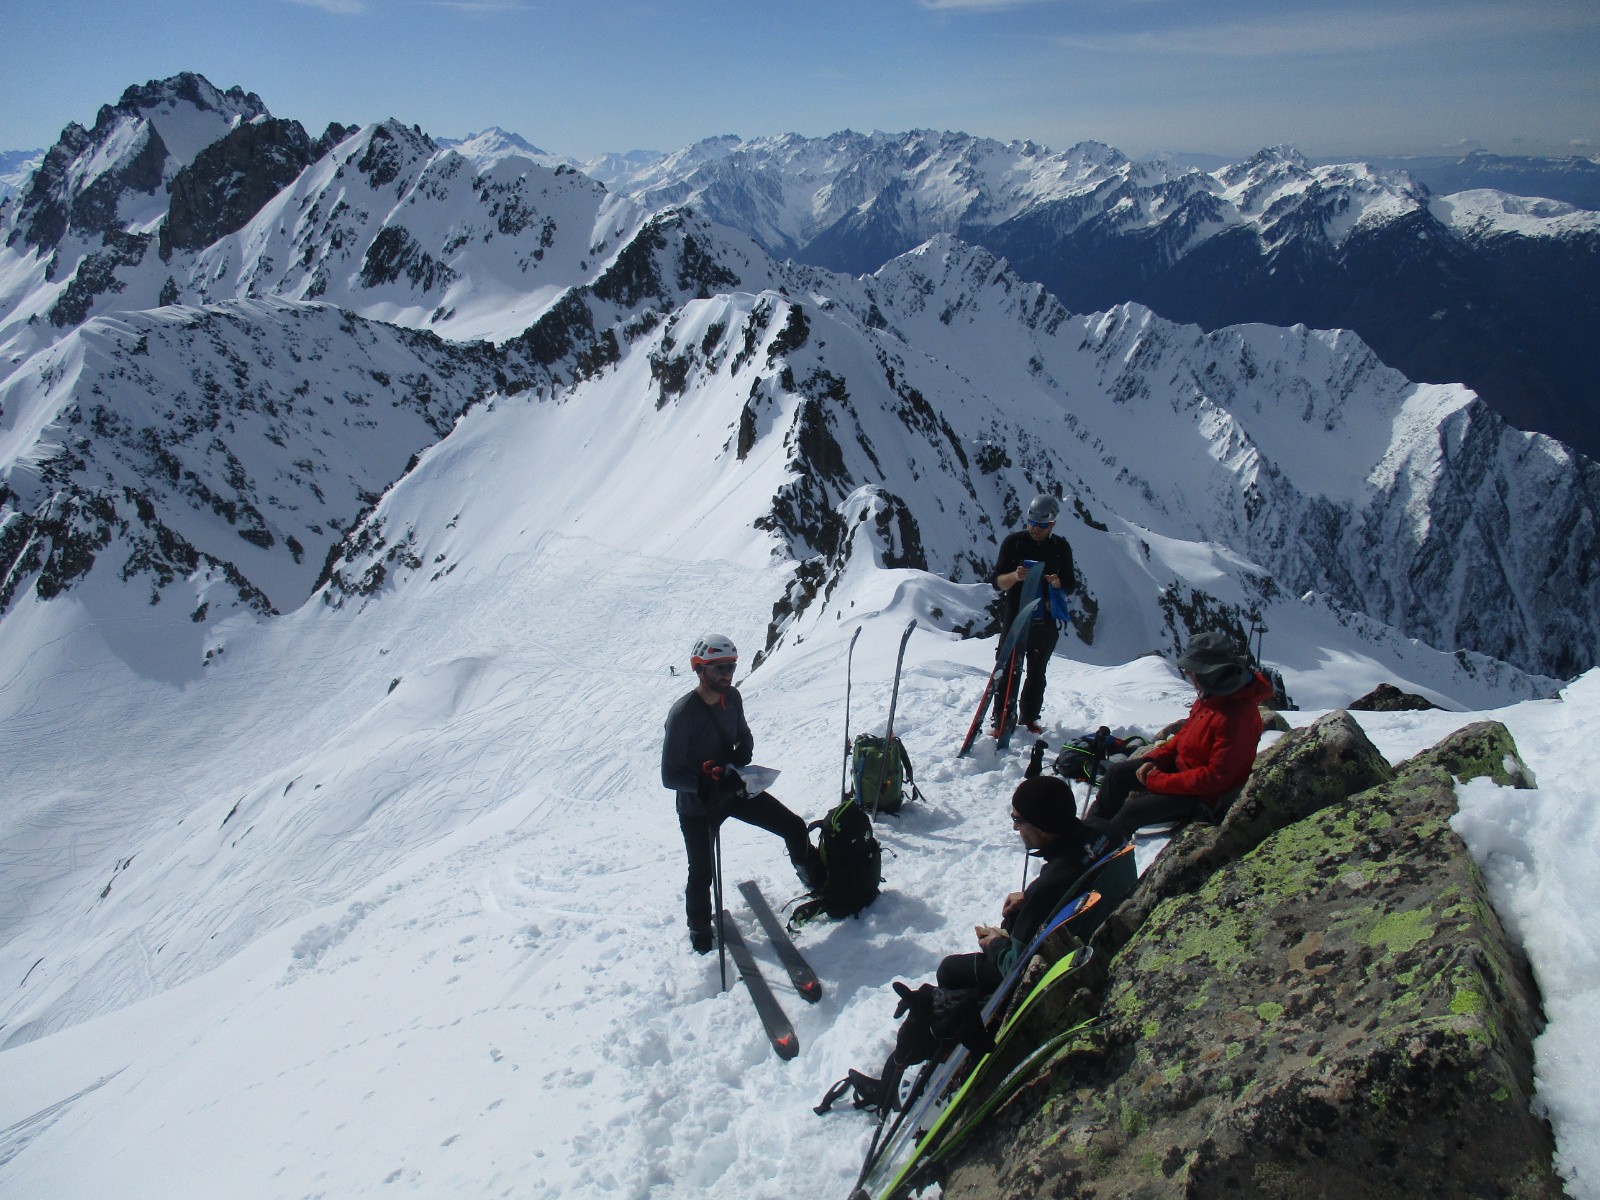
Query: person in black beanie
x=1045, y=814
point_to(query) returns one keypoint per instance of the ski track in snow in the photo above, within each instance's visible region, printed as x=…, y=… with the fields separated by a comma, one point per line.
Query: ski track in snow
x=411, y=912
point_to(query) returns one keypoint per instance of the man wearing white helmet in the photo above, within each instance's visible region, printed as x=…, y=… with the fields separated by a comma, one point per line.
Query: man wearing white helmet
x=1035, y=542
x=706, y=733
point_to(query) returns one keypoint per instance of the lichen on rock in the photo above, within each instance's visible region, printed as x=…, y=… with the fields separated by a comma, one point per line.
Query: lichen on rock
x=1334, y=1012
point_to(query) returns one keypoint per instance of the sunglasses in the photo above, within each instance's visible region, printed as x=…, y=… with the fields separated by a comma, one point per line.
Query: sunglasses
x=721, y=668
x=1040, y=524
x=1016, y=820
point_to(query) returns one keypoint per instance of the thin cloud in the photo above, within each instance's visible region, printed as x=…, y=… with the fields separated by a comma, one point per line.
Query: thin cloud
x=1347, y=32
x=978, y=5
x=482, y=7
x=343, y=7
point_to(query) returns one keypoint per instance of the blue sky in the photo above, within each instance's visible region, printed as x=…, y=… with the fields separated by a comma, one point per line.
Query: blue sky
x=580, y=77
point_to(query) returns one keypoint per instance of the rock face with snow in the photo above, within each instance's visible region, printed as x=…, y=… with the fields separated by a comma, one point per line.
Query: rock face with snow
x=901, y=419
x=221, y=452
x=90, y=210
x=1339, y=1013
x=1509, y=306
x=233, y=178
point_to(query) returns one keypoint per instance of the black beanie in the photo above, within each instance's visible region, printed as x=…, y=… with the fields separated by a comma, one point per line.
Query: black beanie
x=1046, y=802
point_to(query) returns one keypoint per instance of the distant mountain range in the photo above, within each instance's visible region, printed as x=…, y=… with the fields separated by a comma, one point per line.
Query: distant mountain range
x=230, y=351
x=1498, y=291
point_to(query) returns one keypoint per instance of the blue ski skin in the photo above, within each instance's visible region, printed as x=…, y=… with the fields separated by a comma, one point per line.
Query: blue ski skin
x=1017, y=634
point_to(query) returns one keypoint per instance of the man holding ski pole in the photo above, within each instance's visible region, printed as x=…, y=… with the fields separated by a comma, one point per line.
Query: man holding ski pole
x=706, y=738
x=1035, y=542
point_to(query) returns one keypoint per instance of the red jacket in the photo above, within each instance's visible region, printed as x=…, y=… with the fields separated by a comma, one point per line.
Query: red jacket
x=1214, y=751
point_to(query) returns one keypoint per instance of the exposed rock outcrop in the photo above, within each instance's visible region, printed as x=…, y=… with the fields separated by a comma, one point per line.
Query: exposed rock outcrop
x=1333, y=1011
x=1388, y=698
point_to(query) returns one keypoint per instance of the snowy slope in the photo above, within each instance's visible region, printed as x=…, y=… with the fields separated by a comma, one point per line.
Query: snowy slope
x=16, y=166
x=391, y=895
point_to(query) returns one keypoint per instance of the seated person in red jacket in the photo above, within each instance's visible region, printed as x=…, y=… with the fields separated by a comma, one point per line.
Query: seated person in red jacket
x=1186, y=775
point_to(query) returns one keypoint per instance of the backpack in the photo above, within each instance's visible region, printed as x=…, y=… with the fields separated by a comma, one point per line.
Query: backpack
x=1083, y=757
x=851, y=862
x=879, y=775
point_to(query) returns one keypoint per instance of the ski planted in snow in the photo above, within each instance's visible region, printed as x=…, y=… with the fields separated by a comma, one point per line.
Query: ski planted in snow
x=1032, y=585
x=849, y=659
x=773, y=1019
x=889, y=750
x=1005, y=660
x=800, y=973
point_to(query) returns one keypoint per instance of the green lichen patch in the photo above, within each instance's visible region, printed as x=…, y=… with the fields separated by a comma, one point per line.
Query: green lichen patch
x=1336, y=1012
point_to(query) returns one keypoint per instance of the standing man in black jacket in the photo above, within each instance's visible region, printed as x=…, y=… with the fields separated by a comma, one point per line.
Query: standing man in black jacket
x=1035, y=542
x=706, y=736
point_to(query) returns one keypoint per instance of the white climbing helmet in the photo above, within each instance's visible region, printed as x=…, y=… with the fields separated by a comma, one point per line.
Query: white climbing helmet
x=713, y=648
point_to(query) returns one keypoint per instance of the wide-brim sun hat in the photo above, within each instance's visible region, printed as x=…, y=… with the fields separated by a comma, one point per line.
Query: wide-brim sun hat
x=1217, y=661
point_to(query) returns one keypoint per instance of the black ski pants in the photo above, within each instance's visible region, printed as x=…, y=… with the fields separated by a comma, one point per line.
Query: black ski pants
x=974, y=969
x=1031, y=666
x=764, y=811
x=1121, y=806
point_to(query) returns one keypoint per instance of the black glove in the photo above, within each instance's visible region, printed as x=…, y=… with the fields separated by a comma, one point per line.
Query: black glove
x=915, y=1041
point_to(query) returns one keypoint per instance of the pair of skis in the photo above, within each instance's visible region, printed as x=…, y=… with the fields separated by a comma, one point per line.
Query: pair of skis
x=1006, y=664
x=901, y=1148
x=780, y=1031
x=891, y=1147
x=996, y=1076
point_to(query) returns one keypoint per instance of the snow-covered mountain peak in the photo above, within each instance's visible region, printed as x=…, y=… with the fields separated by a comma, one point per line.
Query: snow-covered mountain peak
x=189, y=111
x=1484, y=211
x=111, y=179
x=489, y=146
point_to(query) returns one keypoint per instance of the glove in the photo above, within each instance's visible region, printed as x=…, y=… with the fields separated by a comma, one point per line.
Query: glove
x=918, y=1002
x=712, y=769
x=915, y=1040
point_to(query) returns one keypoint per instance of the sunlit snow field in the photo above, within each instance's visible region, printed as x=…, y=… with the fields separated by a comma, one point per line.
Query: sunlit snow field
x=390, y=900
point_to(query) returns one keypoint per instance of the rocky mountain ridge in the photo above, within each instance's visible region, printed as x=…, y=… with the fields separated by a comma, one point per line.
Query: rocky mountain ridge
x=1497, y=294
x=900, y=418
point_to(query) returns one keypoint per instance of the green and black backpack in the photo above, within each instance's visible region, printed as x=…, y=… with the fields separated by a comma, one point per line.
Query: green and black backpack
x=852, y=863
x=882, y=773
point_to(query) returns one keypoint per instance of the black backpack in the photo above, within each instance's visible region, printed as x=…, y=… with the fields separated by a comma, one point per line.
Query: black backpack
x=851, y=862
x=1083, y=758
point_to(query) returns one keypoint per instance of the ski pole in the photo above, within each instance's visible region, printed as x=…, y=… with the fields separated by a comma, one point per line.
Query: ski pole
x=716, y=860
x=849, y=658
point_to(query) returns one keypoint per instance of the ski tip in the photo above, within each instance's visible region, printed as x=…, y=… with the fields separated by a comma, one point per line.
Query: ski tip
x=787, y=1046
x=811, y=990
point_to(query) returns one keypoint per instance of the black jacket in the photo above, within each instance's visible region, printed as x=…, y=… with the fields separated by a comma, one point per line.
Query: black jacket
x=1020, y=547
x=1064, y=864
x=697, y=732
